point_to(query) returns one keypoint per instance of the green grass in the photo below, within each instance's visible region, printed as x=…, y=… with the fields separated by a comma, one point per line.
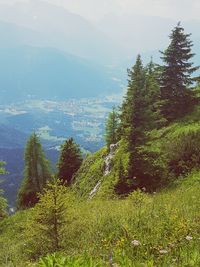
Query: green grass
x=161, y=229
x=92, y=171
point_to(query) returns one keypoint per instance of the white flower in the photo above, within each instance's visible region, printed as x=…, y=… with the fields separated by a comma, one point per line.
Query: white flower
x=135, y=243
x=189, y=238
x=163, y=251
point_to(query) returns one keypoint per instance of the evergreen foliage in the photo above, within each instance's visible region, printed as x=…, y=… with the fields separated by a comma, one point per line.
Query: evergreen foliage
x=3, y=201
x=46, y=229
x=140, y=113
x=133, y=116
x=121, y=187
x=176, y=79
x=142, y=119
x=153, y=97
x=112, y=126
x=69, y=162
x=36, y=173
x=2, y=168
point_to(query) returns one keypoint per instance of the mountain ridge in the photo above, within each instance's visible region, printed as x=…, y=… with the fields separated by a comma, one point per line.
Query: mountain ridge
x=38, y=72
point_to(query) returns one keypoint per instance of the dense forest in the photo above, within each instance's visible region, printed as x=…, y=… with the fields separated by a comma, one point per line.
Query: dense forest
x=136, y=201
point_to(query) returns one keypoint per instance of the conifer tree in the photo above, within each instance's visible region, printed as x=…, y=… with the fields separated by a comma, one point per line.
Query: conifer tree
x=122, y=186
x=133, y=116
x=46, y=230
x=112, y=125
x=133, y=105
x=36, y=173
x=3, y=201
x=140, y=113
x=176, y=79
x=153, y=97
x=69, y=162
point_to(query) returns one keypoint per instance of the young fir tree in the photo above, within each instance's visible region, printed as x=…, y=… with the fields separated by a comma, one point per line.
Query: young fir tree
x=36, y=173
x=3, y=201
x=112, y=125
x=46, y=229
x=176, y=79
x=69, y=162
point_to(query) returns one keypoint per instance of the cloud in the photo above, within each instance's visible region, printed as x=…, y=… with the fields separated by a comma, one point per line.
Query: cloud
x=94, y=9
x=176, y=9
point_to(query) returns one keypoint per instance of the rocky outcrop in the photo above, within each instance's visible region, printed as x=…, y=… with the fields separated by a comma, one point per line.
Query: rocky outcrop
x=107, y=169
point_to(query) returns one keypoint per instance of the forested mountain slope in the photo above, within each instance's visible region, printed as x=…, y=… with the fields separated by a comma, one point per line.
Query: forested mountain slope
x=167, y=145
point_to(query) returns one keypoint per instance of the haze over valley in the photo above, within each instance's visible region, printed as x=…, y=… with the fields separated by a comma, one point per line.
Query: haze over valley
x=62, y=70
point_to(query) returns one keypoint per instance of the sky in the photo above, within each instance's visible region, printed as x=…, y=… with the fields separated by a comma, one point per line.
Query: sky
x=95, y=9
x=181, y=9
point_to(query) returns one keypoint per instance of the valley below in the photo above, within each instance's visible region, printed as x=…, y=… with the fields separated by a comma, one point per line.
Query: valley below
x=54, y=122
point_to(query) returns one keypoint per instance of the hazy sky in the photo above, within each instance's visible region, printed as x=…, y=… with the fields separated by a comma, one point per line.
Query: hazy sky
x=177, y=9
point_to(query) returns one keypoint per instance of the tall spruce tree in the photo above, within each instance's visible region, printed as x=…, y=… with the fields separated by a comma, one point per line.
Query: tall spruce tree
x=133, y=104
x=176, y=79
x=112, y=125
x=133, y=116
x=153, y=97
x=36, y=173
x=69, y=162
x=140, y=113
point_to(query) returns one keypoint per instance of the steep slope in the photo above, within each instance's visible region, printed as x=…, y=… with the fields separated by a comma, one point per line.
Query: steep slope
x=149, y=230
x=173, y=148
x=99, y=173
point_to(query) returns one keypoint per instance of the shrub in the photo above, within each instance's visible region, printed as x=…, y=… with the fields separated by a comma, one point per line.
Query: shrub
x=183, y=153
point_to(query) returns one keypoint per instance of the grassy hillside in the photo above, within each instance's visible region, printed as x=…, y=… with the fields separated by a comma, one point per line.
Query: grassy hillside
x=93, y=171
x=97, y=228
x=144, y=230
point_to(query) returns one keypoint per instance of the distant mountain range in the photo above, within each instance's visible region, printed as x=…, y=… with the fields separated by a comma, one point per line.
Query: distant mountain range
x=112, y=39
x=40, y=23
x=49, y=52
x=47, y=73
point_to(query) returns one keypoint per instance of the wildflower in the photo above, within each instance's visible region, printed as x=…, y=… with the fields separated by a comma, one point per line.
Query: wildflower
x=171, y=245
x=163, y=251
x=189, y=238
x=111, y=259
x=135, y=243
